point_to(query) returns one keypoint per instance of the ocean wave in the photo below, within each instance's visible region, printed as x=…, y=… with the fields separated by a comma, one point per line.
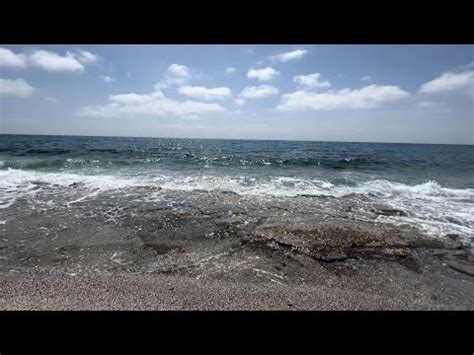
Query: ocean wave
x=253, y=185
x=436, y=209
x=16, y=178
x=429, y=189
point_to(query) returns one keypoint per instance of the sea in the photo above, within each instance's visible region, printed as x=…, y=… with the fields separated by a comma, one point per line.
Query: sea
x=432, y=184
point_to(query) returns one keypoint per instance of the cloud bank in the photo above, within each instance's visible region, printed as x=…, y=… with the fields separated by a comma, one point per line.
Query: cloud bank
x=368, y=97
x=48, y=60
x=448, y=82
x=154, y=104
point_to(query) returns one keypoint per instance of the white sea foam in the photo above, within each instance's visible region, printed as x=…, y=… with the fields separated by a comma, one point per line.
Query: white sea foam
x=435, y=209
x=15, y=178
x=15, y=183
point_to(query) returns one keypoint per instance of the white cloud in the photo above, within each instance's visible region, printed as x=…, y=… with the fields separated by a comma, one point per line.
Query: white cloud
x=178, y=71
x=47, y=60
x=287, y=56
x=311, y=81
x=230, y=70
x=154, y=104
x=10, y=59
x=136, y=99
x=52, y=99
x=176, y=74
x=371, y=96
x=449, y=82
x=107, y=79
x=366, y=78
x=54, y=62
x=239, y=102
x=430, y=104
x=253, y=92
x=201, y=92
x=264, y=74
x=86, y=57
x=15, y=87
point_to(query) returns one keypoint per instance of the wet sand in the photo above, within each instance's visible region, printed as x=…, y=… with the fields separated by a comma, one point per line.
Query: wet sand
x=219, y=250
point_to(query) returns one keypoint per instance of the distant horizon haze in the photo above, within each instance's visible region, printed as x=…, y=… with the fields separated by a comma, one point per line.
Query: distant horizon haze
x=224, y=139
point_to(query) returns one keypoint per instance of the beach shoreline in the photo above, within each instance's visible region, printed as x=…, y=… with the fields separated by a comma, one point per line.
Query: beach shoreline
x=218, y=250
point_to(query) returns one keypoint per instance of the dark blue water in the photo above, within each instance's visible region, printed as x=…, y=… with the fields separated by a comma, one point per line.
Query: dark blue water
x=433, y=184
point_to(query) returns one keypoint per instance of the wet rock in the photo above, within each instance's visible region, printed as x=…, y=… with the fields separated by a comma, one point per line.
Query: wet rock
x=322, y=197
x=232, y=193
x=390, y=212
x=453, y=241
x=453, y=236
x=411, y=263
x=150, y=188
x=440, y=252
x=333, y=256
x=224, y=234
x=201, y=191
x=460, y=261
x=375, y=244
x=326, y=242
x=397, y=252
x=163, y=248
x=245, y=239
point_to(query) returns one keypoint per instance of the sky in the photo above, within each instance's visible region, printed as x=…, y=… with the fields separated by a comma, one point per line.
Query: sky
x=359, y=93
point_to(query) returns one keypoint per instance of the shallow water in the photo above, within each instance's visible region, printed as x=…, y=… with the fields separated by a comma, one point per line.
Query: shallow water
x=432, y=184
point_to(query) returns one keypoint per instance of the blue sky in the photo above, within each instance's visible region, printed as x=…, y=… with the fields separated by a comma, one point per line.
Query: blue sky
x=379, y=93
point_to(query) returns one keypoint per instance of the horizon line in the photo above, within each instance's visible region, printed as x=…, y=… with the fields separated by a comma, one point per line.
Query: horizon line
x=235, y=139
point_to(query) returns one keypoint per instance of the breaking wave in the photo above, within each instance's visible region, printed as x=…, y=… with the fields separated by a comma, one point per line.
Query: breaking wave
x=435, y=209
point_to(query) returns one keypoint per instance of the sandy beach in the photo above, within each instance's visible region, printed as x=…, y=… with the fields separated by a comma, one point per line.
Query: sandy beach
x=378, y=286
